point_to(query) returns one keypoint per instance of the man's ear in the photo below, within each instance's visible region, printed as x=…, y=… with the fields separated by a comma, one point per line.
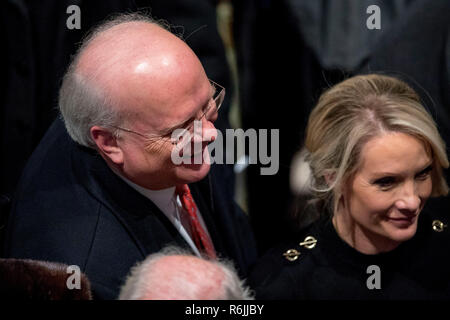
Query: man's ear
x=107, y=144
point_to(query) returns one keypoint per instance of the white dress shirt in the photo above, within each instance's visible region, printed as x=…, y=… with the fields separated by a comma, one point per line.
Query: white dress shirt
x=170, y=205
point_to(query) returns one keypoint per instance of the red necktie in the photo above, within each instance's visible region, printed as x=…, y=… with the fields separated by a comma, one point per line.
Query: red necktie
x=199, y=235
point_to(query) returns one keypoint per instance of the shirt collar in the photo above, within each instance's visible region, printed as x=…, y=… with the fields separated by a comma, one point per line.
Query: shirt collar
x=163, y=199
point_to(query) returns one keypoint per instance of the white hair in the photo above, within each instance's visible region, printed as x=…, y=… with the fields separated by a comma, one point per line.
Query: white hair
x=141, y=279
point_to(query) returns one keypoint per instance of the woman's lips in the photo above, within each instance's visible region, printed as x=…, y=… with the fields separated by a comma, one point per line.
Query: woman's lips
x=403, y=221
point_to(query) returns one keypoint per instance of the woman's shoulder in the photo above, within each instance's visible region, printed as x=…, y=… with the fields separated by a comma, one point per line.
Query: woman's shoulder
x=277, y=272
x=315, y=263
x=430, y=247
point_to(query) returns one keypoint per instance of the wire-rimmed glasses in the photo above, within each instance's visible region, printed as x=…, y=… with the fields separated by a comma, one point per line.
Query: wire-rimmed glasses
x=209, y=113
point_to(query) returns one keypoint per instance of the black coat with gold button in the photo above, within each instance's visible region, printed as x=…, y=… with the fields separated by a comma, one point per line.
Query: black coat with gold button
x=319, y=265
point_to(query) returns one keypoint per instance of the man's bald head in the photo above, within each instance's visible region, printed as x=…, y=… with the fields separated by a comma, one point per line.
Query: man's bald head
x=125, y=66
x=146, y=59
x=174, y=274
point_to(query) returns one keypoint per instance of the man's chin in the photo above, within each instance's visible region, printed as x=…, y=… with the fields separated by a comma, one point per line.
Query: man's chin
x=193, y=172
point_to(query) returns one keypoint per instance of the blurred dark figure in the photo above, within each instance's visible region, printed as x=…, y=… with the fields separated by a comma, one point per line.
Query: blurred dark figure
x=38, y=46
x=39, y=280
x=288, y=52
x=417, y=49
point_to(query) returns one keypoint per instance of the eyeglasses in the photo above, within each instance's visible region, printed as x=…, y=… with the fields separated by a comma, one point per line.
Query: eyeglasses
x=209, y=113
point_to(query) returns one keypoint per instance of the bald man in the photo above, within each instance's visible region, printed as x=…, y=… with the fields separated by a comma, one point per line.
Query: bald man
x=102, y=190
x=174, y=274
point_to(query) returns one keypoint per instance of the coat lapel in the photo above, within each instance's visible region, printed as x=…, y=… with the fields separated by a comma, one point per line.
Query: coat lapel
x=150, y=229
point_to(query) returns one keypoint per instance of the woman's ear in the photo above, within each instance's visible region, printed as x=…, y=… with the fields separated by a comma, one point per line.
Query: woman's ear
x=344, y=189
x=330, y=177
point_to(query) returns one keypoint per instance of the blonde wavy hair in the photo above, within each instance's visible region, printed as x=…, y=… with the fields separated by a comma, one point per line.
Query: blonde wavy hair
x=344, y=119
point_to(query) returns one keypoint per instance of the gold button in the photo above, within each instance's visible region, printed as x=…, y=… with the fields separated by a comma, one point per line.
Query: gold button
x=291, y=254
x=438, y=225
x=309, y=242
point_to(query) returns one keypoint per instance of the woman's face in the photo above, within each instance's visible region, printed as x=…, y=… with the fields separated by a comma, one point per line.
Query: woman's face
x=383, y=199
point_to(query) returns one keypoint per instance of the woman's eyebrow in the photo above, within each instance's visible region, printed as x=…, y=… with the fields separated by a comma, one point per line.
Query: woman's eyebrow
x=381, y=174
x=426, y=168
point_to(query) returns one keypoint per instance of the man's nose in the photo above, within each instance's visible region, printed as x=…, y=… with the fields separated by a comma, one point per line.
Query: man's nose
x=207, y=132
x=409, y=198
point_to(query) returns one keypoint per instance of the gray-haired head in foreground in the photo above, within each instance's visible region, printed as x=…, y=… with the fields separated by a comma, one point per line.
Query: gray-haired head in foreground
x=82, y=102
x=176, y=274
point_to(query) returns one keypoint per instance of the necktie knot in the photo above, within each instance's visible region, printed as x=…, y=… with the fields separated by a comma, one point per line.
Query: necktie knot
x=182, y=189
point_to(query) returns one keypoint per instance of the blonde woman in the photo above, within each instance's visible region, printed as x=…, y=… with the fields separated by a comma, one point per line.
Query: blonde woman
x=371, y=159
